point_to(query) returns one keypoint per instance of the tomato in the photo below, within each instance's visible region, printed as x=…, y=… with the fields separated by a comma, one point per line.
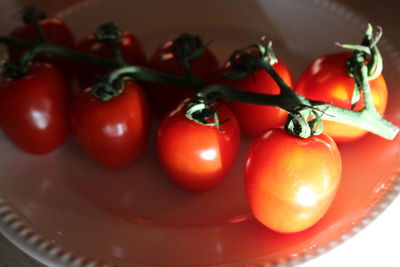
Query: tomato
x=112, y=132
x=256, y=119
x=131, y=49
x=290, y=182
x=55, y=31
x=164, y=98
x=34, y=109
x=194, y=156
x=326, y=79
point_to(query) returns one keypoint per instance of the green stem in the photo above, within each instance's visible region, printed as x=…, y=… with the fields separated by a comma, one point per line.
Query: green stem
x=363, y=119
x=145, y=74
x=227, y=93
x=18, y=42
x=117, y=54
x=286, y=91
x=39, y=30
x=69, y=53
x=361, y=77
x=367, y=119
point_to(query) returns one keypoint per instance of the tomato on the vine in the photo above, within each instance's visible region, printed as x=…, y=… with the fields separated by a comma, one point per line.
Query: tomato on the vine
x=256, y=119
x=112, y=132
x=326, y=79
x=290, y=182
x=130, y=47
x=164, y=98
x=34, y=109
x=56, y=31
x=197, y=157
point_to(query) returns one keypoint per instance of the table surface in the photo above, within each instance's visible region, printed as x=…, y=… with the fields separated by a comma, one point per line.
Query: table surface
x=376, y=245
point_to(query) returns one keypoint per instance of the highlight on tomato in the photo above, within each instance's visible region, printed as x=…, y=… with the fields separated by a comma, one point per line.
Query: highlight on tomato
x=290, y=181
x=197, y=157
x=326, y=79
x=105, y=42
x=113, y=131
x=185, y=54
x=34, y=109
x=256, y=119
x=54, y=29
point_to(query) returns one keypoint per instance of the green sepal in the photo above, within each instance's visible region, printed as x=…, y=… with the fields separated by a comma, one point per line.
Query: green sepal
x=109, y=32
x=304, y=122
x=246, y=63
x=188, y=46
x=13, y=71
x=200, y=110
x=105, y=90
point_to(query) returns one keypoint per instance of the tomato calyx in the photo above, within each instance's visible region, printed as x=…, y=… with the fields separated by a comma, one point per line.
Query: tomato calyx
x=13, y=71
x=31, y=14
x=187, y=47
x=250, y=59
x=304, y=122
x=106, y=90
x=203, y=111
x=109, y=32
x=366, y=53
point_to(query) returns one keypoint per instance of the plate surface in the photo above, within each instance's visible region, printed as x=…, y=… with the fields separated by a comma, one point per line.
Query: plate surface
x=65, y=209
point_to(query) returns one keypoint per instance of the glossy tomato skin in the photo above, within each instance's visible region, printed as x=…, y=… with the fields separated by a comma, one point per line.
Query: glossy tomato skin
x=197, y=157
x=34, y=109
x=164, y=98
x=256, y=119
x=290, y=182
x=56, y=31
x=326, y=79
x=112, y=132
x=129, y=45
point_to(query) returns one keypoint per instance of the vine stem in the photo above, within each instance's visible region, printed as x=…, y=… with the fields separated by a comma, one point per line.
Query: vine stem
x=39, y=30
x=63, y=51
x=367, y=119
x=18, y=42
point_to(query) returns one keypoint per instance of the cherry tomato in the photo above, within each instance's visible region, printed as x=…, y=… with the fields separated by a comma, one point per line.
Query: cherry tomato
x=130, y=47
x=164, y=98
x=194, y=156
x=326, y=79
x=256, y=119
x=112, y=132
x=34, y=109
x=290, y=182
x=55, y=31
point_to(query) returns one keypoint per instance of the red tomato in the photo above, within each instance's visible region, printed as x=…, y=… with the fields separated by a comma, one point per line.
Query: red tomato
x=55, y=31
x=34, y=109
x=194, y=156
x=256, y=119
x=164, y=98
x=290, y=181
x=112, y=132
x=326, y=79
x=131, y=50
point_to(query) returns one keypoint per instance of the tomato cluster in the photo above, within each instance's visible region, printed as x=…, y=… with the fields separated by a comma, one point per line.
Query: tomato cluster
x=290, y=182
